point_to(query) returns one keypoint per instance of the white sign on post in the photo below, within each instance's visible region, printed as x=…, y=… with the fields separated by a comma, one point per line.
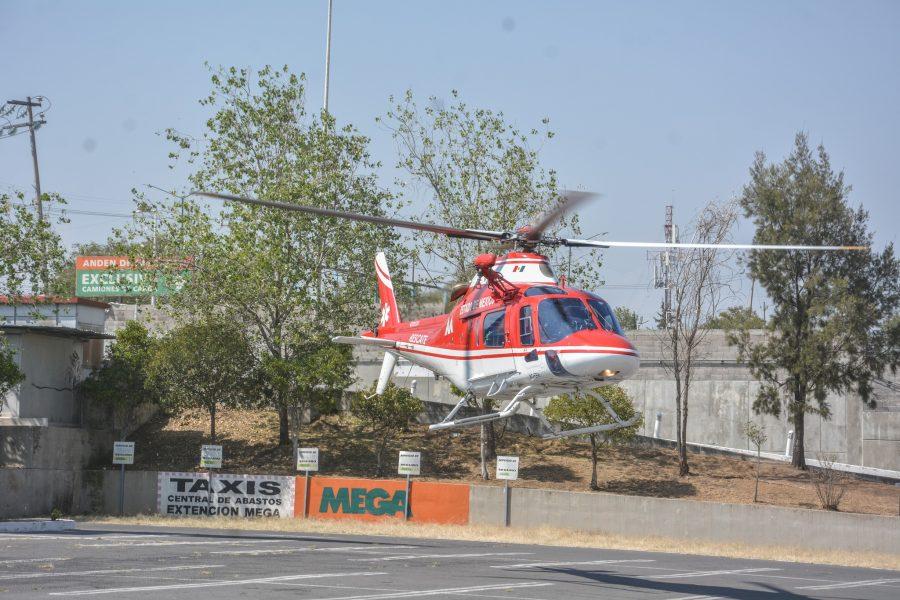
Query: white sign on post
x=210, y=457
x=410, y=463
x=307, y=459
x=123, y=453
x=507, y=467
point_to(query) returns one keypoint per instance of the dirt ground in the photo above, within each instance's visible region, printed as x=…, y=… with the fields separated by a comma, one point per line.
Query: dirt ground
x=249, y=440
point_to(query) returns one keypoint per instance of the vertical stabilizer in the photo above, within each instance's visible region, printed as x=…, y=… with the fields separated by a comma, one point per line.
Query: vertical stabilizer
x=390, y=315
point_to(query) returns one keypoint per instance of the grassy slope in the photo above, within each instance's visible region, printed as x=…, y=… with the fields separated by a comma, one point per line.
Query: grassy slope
x=250, y=446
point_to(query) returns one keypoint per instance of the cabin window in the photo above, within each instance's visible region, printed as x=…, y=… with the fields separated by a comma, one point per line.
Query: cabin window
x=543, y=290
x=559, y=318
x=494, y=331
x=605, y=315
x=526, y=329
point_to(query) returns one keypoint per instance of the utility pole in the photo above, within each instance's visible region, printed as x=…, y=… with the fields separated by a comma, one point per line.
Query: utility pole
x=667, y=275
x=327, y=57
x=32, y=125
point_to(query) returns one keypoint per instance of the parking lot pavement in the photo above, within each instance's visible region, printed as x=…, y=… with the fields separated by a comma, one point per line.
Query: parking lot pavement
x=156, y=562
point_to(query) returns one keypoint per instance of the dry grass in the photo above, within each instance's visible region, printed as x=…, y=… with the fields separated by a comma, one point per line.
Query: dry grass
x=545, y=536
x=249, y=440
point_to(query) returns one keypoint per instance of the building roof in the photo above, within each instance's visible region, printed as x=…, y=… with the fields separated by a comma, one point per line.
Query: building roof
x=69, y=332
x=52, y=300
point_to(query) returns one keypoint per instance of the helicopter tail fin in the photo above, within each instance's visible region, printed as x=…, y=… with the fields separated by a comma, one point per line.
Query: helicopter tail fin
x=390, y=315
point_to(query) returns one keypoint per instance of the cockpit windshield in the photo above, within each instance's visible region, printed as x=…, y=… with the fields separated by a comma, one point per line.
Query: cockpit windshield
x=561, y=317
x=605, y=315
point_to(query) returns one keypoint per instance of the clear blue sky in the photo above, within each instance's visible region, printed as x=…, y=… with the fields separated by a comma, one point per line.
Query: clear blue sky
x=653, y=102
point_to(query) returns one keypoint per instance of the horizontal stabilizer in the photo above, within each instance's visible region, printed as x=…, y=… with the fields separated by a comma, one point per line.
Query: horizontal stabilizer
x=364, y=341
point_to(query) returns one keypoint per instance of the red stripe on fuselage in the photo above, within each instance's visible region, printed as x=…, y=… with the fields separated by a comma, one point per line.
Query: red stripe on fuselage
x=514, y=354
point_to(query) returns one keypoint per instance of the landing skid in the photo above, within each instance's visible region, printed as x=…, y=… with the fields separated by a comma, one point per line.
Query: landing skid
x=524, y=396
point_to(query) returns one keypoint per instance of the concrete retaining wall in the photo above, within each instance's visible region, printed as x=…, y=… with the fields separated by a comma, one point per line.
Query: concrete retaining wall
x=686, y=520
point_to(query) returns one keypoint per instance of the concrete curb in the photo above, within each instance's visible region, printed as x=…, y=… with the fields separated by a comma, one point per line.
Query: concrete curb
x=36, y=526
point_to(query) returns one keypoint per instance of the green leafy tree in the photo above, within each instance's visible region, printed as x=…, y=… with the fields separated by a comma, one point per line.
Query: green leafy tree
x=284, y=276
x=628, y=319
x=736, y=317
x=315, y=377
x=482, y=173
x=384, y=416
x=204, y=365
x=833, y=328
x=30, y=249
x=10, y=374
x=581, y=410
x=121, y=381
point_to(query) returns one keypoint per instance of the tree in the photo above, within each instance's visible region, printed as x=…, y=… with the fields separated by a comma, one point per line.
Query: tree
x=30, y=249
x=482, y=173
x=699, y=278
x=757, y=436
x=10, y=375
x=627, y=318
x=385, y=415
x=204, y=365
x=582, y=410
x=833, y=328
x=284, y=276
x=314, y=377
x=121, y=381
x=736, y=317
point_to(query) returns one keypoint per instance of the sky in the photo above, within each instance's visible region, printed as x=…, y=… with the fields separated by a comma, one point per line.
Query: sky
x=653, y=103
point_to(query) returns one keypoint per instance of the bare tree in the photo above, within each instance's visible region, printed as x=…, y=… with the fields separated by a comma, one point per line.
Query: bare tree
x=830, y=483
x=757, y=436
x=700, y=280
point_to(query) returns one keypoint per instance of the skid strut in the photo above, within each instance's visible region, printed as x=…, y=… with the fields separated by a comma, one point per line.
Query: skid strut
x=505, y=412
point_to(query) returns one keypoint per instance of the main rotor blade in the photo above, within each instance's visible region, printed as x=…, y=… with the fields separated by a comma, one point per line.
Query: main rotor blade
x=473, y=234
x=570, y=199
x=679, y=245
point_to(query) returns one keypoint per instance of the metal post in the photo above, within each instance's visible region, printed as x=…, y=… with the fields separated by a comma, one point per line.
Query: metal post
x=306, y=498
x=406, y=507
x=506, y=494
x=327, y=57
x=34, y=159
x=789, y=445
x=122, y=490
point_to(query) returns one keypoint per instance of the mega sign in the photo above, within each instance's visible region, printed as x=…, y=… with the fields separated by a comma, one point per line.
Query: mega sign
x=369, y=499
x=117, y=276
x=202, y=494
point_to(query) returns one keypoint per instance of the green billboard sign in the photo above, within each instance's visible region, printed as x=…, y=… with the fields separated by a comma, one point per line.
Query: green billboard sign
x=116, y=276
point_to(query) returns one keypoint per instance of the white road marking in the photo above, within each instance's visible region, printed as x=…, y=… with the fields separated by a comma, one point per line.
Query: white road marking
x=707, y=573
x=30, y=560
x=441, y=592
x=72, y=536
x=181, y=543
x=206, y=584
x=848, y=584
x=696, y=598
x=357, y=549
x=415, y=556
x=571, y=564
x=105, y=571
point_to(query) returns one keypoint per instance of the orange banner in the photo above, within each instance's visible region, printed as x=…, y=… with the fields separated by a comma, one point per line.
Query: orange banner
x=370, y=499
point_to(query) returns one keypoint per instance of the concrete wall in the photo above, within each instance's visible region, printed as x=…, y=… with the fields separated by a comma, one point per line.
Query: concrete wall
x=53, y=447
x=686, y=520
x=51, y=365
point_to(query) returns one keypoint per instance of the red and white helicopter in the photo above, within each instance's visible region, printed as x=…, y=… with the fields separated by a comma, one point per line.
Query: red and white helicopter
x=516, y=332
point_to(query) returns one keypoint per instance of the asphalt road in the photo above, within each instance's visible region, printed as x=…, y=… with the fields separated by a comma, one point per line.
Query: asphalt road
x=152, y=562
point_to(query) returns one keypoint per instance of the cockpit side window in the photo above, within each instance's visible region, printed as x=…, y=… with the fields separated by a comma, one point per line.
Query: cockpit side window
x=526, y=329
x=543, y=290
x=494, y=330
x=605, y=315
x=559, y=318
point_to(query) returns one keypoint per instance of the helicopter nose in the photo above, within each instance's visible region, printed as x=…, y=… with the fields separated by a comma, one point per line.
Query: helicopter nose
x=612, y=358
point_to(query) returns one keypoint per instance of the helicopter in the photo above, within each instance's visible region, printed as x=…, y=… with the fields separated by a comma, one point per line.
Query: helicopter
x=516, y=332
